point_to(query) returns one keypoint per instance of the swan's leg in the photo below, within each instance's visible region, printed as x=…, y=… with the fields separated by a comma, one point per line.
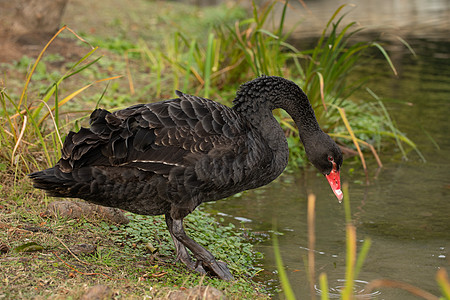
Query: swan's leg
x=203, y=256
x=182, y=253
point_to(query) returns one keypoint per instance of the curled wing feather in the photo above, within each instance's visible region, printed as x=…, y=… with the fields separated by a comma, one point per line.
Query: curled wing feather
x=180, y=133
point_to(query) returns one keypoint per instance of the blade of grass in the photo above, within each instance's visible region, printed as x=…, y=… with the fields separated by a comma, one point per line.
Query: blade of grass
x=350, y=261
x=189, y=61
x=102, y=95
x=323, y=281
x=286, y=286
x=350, y=247
x=127, y=67
x=407, y=45
x=322, y=96
x=55, y=124
x=374, y=152
x=56, y=119
x=208, y=63
x=49, y=93
x=432, y=140
x=362, y=255
x=443, y=282
x=3, y=97
x=33, y=68
x=392, y=127
x=30, y=74
x=260, y=17
x=355, y=142
x=318, y=48
x=74, y=94
x=386, y=56
x=311, y=244
x=22, y=131
x=282, y=19
x=159, y=70
x=40, y=139
x=72, y=68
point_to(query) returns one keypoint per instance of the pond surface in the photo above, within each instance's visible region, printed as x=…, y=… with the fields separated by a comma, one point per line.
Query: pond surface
x=405, y=210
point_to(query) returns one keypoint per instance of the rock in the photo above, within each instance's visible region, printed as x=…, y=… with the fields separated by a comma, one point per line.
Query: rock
x=82, y=249
x=98, y=292
x=197, y=293
x=74, y=209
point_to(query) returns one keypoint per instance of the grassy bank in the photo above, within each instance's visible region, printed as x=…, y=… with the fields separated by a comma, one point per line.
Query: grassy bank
x=38, y=259
x=140, y=59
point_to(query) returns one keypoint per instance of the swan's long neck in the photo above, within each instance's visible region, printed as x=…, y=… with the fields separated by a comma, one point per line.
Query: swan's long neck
x=303, y=115
x=256, y=100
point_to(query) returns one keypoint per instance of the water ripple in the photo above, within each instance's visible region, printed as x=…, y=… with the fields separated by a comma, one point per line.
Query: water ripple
x=335, y=288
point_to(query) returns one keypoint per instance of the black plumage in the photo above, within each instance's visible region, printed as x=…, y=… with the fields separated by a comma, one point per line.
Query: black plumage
x=170, y=156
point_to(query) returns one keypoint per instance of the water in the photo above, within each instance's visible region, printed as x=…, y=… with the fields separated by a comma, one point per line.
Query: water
x=359, y=290
x=405, y=210
x=418, y=18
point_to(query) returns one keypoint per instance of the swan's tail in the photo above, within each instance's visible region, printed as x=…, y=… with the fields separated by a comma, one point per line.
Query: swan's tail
x=54, y=182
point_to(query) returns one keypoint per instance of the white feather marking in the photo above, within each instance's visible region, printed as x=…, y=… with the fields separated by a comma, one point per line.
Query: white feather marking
x=152, y=161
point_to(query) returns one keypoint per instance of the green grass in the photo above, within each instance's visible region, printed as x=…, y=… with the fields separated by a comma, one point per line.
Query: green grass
x=145, y=233
x=39, y=265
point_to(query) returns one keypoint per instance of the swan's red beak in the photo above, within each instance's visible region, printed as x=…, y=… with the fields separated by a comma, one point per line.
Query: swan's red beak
x=334, y=180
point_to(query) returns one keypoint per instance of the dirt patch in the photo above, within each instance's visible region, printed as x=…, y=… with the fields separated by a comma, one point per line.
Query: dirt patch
x=98, y=292
x=197, y=293
x=32, y=45
x=77, y=209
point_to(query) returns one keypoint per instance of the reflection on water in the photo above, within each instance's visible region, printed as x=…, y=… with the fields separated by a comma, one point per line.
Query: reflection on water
x=406, y=208
x=416, y=18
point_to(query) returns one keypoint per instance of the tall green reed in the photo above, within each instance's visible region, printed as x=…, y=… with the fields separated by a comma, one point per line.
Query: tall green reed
x=332, y=59
x=25, y=121
x=252, y=47
x=230, y=55
x=353, y=264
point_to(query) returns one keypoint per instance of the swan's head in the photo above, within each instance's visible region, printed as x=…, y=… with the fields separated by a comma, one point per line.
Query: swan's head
x=326, y=156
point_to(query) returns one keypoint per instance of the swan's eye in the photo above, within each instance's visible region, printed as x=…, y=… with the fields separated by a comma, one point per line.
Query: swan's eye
x=330, y=158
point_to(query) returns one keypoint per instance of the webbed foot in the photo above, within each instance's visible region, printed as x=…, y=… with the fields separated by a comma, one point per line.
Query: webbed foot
x=206, y=263
x=219, y=269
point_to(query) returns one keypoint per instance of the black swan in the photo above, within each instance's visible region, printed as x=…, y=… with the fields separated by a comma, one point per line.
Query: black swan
x=170, y=156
